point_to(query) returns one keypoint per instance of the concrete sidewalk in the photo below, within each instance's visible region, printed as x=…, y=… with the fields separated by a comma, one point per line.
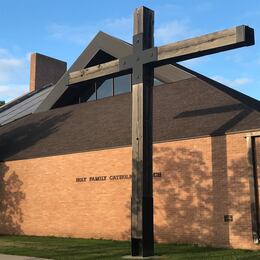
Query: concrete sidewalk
x=16, y=257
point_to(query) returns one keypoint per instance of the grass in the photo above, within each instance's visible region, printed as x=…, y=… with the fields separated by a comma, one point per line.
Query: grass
x=74, y=248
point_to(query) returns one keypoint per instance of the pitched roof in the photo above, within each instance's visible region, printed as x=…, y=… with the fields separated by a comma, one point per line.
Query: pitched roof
x=113, y=48
x=23, y=105
x=102, y=47
x=190, y=108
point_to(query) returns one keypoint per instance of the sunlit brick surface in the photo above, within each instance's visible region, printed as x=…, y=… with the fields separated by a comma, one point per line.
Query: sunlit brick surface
x=202, y=180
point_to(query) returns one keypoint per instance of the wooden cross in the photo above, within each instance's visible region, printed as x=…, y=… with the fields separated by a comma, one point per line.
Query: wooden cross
x=142, y=62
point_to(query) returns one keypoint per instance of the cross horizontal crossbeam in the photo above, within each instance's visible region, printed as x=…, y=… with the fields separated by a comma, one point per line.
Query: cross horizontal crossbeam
x=141, y=63
x=174, y=52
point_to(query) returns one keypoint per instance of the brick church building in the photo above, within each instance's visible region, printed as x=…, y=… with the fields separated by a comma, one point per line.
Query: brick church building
x=65, y=155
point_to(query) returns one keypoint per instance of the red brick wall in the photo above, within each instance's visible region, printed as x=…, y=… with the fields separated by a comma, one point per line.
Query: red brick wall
x=45, y=70
x=202, y=180
x=238, y=197
x=257, y=154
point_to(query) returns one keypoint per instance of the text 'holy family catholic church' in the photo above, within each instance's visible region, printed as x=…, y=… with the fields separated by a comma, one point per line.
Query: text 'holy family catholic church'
x=66, y=149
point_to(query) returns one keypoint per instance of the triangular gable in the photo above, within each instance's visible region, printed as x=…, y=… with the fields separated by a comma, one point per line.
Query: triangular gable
x=116, y=48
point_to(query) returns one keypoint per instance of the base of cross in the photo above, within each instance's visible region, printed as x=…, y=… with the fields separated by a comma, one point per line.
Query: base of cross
x=142, y=244
x=142, y=257
x=143, y=248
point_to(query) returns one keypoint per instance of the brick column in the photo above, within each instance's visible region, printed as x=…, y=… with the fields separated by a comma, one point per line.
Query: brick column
x=45, y=70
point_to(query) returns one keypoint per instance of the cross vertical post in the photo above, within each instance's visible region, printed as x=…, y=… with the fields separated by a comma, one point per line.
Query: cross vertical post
x=142, y=62
x=142, y=236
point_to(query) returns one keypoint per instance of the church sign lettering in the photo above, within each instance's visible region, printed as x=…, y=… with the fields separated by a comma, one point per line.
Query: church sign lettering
x=112, y=177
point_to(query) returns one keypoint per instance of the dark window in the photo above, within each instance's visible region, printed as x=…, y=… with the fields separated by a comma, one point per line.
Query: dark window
x=104, y=88
x=88, y=92
x=122, y=84
x=93, y=93
x=107, y=88
x=92, y=97
x=157, y=82
x=93, y=90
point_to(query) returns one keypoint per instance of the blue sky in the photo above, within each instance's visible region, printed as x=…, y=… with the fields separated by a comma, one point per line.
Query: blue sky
x=62, y=29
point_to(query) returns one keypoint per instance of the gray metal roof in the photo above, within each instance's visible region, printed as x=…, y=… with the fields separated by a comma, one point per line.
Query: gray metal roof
x=23, y=105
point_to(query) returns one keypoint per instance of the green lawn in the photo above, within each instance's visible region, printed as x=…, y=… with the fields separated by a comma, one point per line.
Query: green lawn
x=72, y=248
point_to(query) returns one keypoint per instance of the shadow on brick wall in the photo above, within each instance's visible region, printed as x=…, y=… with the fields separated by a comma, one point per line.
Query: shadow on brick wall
x=240, y=199
x=13, y=141
x=126, y=235
x=184, y=200
x=192, y=196
x=195, y=193
x=220, y=194
x=11, y=194
x=196, y=197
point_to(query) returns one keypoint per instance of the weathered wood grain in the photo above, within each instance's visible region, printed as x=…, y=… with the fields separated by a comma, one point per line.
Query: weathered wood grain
x=142, y=110
x=178, y=51
x=93, y=72
x=207, y=44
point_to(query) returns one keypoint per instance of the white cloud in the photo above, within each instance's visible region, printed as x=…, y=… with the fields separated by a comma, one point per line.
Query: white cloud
x=75, y=34
x=12, y=62
x=121, y=28
x=4, y=52
x=82, y=34
x=28, y=56
x=172, y=31
x=3, y=89
x=14, y=72
x=241, y=81
x=9, y=68
x=12, y=91
x=235, y=83
x=122, y=24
